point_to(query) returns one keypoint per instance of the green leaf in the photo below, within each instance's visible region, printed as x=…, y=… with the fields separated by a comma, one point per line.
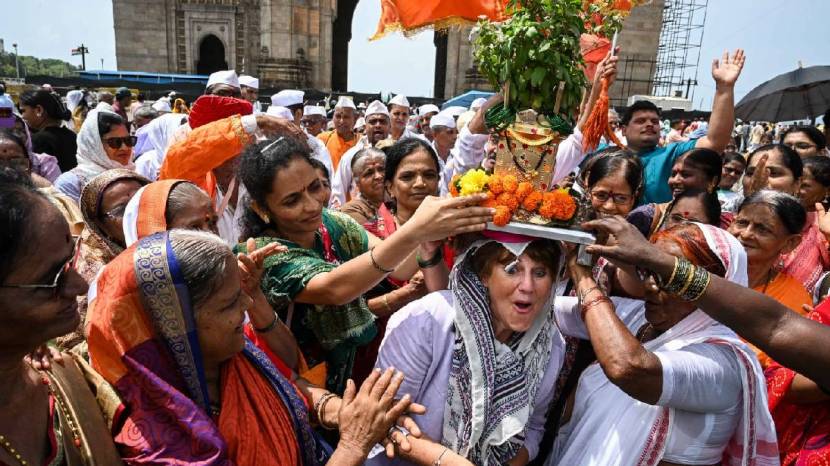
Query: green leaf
x=538, y=75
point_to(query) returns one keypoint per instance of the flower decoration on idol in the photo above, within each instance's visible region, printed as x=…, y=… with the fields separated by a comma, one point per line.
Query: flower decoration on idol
x=509, y=196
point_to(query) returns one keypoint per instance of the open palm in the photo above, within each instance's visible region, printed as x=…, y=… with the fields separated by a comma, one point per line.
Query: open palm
x=726, y=70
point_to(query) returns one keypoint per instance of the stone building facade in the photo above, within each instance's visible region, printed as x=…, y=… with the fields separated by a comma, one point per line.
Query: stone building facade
x=298, y=43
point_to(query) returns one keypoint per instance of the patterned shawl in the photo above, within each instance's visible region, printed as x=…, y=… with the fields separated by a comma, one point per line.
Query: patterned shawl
x=492, y=385
x=146, y=213
x=142, y=339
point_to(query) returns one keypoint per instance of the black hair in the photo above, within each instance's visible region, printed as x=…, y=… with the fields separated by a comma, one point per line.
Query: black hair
x=812, y=133
x=733, y=157
x=17, y=207
x=819, y=166
x=707, y=160
x=785, y=206
x=638, y=106
x=50, y=102
x=8, y=134
x=257, y=170
x=790, y=157
x=615, y=161
x=711, y=204
x=107, y=121
x=402, y=149
x=318, y=165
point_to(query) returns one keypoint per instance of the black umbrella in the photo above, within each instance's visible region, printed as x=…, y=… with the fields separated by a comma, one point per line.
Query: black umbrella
x=803, y=93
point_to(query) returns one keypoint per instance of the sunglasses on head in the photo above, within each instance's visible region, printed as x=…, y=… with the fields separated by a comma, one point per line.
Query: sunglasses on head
x=116, y=143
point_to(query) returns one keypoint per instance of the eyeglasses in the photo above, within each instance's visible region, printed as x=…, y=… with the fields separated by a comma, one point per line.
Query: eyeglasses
x=619, y=199
x=18, y=163
x=59, y=280
x=116, y=143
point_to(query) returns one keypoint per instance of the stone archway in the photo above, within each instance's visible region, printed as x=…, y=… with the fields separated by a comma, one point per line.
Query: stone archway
x=211, y=55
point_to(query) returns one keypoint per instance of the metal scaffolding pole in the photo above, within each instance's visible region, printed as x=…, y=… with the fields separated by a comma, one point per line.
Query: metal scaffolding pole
x=678, y=53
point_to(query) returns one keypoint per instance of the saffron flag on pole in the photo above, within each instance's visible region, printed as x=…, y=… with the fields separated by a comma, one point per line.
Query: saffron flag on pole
x=413, y=16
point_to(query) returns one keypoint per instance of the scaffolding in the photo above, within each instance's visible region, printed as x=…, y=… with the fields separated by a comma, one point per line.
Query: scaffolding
x=678, y=52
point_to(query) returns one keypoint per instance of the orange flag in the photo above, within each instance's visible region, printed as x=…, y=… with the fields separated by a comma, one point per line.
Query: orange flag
x=412, y=16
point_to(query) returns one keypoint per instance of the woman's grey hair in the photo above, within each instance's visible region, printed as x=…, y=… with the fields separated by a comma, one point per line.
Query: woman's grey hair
x=362, y=156
x=181, y=197
x=784, y=205
x=202, y=260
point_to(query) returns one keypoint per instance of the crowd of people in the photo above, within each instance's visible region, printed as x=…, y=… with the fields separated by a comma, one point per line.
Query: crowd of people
x=214, y=283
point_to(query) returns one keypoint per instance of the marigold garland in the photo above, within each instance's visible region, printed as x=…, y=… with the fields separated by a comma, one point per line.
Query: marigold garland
x=507, y=195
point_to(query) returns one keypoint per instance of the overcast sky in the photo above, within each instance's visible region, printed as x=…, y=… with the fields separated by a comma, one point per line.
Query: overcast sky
x=776, y=35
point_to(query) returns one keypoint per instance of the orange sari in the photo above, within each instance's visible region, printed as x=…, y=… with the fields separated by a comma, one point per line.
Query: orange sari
x=789, y=292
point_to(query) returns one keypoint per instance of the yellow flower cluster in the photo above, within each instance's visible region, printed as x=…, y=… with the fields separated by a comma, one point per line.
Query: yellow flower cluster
x=472, y=182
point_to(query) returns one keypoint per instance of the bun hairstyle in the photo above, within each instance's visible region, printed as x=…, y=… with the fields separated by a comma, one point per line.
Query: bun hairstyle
x=50, y=102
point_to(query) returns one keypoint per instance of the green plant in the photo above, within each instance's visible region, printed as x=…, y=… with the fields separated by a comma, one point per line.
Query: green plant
x=532, y=51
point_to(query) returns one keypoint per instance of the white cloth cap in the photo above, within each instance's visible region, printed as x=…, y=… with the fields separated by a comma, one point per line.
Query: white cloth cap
x=455, y=111
x=280, y=112
x=310, y=110
x=73, y=98
x=249, y=81
x=228, y=77
x=376, y=108
x=162, y=105
x=345, y=102
x=401, y=100
x=360, y=123
x=478, y=103
x=287, y=98
x=444, y=118
x=428, y=108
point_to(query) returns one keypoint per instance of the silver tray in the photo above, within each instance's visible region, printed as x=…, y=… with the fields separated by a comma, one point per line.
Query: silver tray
x=562, y=234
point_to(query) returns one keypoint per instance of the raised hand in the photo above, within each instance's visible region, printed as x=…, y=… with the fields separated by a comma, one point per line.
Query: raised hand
x=760, y=177
x=823, y=220
x=727, y=70
x=440, y=218
x=251, y=263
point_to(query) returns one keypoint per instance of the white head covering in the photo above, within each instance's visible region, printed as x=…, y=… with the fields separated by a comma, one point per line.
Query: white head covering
x=455, y=111
x=228, y=77
x=249, y=81
x=92, y=158
x=287, y=98
x=158, y=134
x=162, y=105
x=401, y=100
x=345, y=102
x=360, y=123
x=73, y=98
x=428, y=108
x=280, y=112
x=444, y=118
x=129, y=223
x=478, y=103
x=310, y=110
x=375, y=108
x=104, y=107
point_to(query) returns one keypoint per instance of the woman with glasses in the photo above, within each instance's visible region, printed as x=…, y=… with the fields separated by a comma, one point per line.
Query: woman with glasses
x=48, y=415
x=734, y=165
x=104, y=143
x=807, y=141
x=103, y=201
x=613, y=181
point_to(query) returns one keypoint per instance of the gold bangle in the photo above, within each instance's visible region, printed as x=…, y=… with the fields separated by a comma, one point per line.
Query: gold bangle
x=386, y=303
x=673, y=272
x=688, y=283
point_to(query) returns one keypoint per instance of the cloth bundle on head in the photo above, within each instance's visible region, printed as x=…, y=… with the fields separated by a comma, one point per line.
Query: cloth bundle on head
x=445, y=119
x=314, y=110
x=210, y=108
x=478, y=103
x=492, y=386
x=428, y=108
x=376, y=108
x=345, y=102
x=162, y=105
x=249, y=81
x=400, y=100
x=73, y=99
x=228, y=77
x=288, y=98
x=92, y=158
x=143, y=340
x=280, y=112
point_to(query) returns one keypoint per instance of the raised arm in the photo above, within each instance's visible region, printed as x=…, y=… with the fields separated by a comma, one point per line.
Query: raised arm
x=725, y=73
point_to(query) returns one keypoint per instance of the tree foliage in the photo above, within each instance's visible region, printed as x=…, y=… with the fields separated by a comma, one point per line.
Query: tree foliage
x=31, y=66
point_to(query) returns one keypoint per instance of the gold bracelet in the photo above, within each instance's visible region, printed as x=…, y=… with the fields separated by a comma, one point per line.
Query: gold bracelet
x=437, y=461
x=674, y=271
x=688, y=283
x=386, y=303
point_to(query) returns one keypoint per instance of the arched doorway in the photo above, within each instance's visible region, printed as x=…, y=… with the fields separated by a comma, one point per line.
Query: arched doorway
x=211, y=55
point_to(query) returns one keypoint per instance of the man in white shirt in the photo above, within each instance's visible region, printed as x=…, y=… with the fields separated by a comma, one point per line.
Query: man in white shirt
x=292, y=99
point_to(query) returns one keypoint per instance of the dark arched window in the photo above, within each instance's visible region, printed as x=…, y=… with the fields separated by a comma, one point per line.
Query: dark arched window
x=211, y=55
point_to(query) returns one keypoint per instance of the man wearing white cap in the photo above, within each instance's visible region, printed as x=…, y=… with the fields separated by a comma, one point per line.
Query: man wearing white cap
x=425, y=113
x=342, y=138
x=224, y=84
x=314, y=119
x=377, y=129
x=444, y=134
x=399, y=112
x=249, y=87
x=280, y=112
x=477, y=104
x=292, y=100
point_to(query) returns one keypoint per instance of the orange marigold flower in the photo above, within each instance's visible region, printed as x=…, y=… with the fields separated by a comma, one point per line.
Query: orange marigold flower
x=454, y=185
x=502, y=216
x=495, y=184
x=508, y=200
x=510, y=183
x=532, y=201
x=491, y=203
x=523, y=190
x=558, y=205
